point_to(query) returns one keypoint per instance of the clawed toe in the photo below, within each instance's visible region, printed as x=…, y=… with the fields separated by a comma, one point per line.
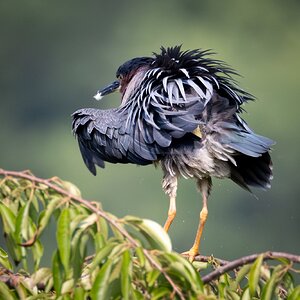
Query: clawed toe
x=191, y=254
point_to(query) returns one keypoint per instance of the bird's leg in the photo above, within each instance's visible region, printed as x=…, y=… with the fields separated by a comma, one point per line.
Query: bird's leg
x=169, y=185
x=204, y=186
x=171, y=214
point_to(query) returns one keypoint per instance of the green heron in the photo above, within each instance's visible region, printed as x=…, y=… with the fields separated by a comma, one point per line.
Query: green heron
x=180, y=110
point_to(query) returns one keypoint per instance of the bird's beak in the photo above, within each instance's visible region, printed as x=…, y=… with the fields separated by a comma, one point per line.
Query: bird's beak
x=107, y=90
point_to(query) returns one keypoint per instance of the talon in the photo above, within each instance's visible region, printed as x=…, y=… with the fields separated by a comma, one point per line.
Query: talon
x=191, y=254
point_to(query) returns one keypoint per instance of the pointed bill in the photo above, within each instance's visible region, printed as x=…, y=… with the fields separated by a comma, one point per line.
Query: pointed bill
x=107, y=90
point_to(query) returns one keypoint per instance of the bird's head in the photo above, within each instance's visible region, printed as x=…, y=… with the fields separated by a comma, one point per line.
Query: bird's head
x=146, y=74
x=125, y=74
x=170, y=60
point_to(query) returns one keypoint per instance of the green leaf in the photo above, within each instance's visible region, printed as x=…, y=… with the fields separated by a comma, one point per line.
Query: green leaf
x=246, y=294
x=101, y=255
x=58, y=273
x=199, y=265
x=140, y=254
x=67, y=286
x=232, y=295
x=185, y=269
x=88, y=221
x=118, y=250
x=79, y=251
x=71, y=188
x=9, y=219
x=152, y=231
x=240, y=276
x=5, y=292
x=254, y=275
x=4, y=260
x=37, y=253
x=103, y=227
x=242, y=273
x=63, y=237
x=160, y=293
x=21, y=231
x=79, y=293
x=295, y=294
x=40, y=276
x=126, y=274
x=269, y=288
x=101, y=283
x=137, y=295
x=99, y=240
x=46, y=214
x=152, y=277
x=13, y=249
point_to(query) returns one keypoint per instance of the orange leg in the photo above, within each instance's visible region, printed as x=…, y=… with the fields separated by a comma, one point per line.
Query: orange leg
x=169, y=185
x=171, y=213
x=204, y=186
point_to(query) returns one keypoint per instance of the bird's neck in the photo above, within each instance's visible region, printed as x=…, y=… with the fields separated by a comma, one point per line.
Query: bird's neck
x=133, y=85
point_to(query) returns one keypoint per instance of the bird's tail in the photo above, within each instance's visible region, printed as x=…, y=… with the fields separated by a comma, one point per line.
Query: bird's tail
x=252, y=171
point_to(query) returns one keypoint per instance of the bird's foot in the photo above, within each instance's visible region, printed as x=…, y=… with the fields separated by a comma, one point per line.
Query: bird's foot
x=191, y=254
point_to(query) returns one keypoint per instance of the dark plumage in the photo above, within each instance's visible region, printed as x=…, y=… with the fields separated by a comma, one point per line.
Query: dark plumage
x=180, y=109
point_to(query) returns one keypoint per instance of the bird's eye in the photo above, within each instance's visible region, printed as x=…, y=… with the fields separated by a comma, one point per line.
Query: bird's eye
x=120, y=76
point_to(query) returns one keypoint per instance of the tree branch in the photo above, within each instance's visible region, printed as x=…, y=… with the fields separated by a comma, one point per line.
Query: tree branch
x=51, y=184
x=244, y=261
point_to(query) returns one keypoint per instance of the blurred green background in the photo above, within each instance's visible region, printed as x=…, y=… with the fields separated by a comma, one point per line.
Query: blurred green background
x=56, y=54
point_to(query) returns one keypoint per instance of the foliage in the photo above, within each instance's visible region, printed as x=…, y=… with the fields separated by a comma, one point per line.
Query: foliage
x=99, y=256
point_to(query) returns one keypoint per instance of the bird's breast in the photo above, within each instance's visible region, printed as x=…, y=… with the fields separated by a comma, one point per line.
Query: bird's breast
x=198, y=162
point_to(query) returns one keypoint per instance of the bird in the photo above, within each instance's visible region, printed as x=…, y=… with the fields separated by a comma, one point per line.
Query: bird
x=180, y=110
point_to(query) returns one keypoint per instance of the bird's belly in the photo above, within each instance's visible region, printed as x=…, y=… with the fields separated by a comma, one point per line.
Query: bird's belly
x=198, y=163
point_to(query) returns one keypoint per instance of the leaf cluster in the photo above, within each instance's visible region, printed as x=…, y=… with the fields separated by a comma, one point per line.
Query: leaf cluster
x=100, y=256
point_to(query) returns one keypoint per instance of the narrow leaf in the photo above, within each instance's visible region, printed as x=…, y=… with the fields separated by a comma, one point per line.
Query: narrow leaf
x=79, y=251
x=141, y=256
x=58, y=273
x=254, y=275
x=48, y=212
x=240, y=276
x=5, y=292
x=9, y=219
x=153, y=233
x=100, y=286
x=13, y=249
x=63, y=237
x=242, y=273
x=4, y=260
x=160, y=293
x=79, y=293
x=126, y=274
x=152, y=276
x=40, y=276
x=37, y=253
x=246, y=294
x=67, y=286
x=21, y=231
x=269, y=288
x=295, y=295
x=101, y=255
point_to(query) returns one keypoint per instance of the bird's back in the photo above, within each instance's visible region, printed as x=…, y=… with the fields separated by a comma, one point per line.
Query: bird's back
x=223, y=146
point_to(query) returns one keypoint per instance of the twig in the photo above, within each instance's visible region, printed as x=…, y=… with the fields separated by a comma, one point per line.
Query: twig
x=12, y=280
x=246, y=260
x=101, y=213
x=203, y=258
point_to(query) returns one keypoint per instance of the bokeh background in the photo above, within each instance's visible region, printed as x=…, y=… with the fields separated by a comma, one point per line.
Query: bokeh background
x=54, y=55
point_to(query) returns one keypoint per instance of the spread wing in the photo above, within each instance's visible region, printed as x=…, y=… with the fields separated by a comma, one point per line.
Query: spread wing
x=137, y=132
